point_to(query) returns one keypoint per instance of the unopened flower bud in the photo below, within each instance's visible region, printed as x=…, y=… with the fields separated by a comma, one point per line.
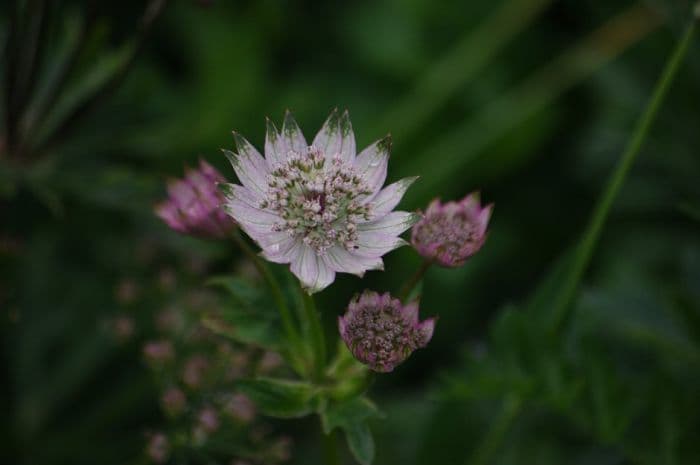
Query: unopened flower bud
x=381, y=332
x=451, y=233
x=194, y=204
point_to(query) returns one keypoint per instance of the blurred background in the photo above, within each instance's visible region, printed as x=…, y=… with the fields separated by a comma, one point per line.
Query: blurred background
x=529, y=101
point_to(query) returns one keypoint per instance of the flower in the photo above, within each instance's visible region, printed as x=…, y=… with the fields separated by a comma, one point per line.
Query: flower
x=318, y=207
x=158, y=352
x=451, y=233
x=381, y=332
x=194, y=204
x=194, y=371
x=240, y=407
x=208, y=420
x=158, y=448
x=173, y=401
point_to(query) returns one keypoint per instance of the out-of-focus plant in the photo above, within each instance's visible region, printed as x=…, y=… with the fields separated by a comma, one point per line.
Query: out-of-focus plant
x=197, y=374
x=544, y=354
x=58, y=67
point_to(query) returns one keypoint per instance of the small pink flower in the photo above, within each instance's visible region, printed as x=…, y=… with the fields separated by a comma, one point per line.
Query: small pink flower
x=194, y=204
x=123, y=327
x=158, y=352
x=158, y=448
x=173, y=401
x=240, y=407
x=270, y=362
x=194, y=370
x=319, y=207
x=451, y=233
x=381, y=332
x=208, y=420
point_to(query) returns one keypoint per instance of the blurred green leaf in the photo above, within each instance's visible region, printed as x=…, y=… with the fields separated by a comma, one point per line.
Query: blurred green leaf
x=352, y=415
x=281, y=398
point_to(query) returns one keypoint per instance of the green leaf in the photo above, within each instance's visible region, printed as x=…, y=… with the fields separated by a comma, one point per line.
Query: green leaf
x=281, y=398
x=240, y=326
x=360, y=442
x=238, y=288
x=352, y=415
x=350, y=376
x=248, y=317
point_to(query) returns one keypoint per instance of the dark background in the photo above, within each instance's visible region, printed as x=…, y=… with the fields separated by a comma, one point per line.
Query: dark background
x=529, y=101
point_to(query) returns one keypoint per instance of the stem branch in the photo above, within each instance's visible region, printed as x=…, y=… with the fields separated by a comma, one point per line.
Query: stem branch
x=409, y=285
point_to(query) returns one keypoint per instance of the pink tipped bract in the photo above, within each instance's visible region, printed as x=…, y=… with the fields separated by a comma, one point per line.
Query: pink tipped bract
x=319, y=207
x=450, y=233
x=194, y=203
x=381, y=332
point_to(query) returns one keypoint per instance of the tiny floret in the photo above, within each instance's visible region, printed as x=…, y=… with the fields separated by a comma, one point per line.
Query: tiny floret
x=194, y=203
x=381, y=332
x=450, y=233
x=319, y=207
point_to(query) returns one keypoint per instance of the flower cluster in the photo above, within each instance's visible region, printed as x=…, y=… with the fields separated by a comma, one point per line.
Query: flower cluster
x=450, y=233
x=381, y=332
x=319, y=207
x=194, y=204
x=196, y=372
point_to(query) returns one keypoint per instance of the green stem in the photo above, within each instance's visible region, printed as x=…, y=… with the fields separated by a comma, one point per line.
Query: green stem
x=409, y=285
x=499, y=428
x=318, y=343
x=584, y=251
x=272, y=283
x=330, y=448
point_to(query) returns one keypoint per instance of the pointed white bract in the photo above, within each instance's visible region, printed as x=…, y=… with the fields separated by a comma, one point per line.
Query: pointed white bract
x=318, y=207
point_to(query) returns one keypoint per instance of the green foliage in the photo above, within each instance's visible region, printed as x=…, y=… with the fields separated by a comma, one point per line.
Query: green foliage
x=528, y=100
x=352, y=415
x=281, y=398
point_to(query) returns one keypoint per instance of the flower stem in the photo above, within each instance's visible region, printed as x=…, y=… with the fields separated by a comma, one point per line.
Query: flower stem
x=499, y=428
x=272, y=283
x=409, y=285
x=330, y=448
x=584, y=251
x=318, y=343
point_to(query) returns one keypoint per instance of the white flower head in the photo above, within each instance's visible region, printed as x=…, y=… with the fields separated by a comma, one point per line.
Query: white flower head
x=319, y=207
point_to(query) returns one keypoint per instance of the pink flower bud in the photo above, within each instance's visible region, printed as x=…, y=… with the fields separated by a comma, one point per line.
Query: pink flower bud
x=451, y=233
x=382, y=333
x=194, y=204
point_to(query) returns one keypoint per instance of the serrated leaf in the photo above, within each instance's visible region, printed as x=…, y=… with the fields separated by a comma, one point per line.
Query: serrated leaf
x=281, y=398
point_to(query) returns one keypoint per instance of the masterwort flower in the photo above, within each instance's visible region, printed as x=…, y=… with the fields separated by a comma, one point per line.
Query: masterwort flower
x=451, y=233
x=194, y=204
x=319, y=207
x=381, y=332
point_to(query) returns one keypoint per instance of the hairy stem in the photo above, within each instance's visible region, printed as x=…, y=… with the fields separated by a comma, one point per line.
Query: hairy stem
x=318, y=342
x=273, y=284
